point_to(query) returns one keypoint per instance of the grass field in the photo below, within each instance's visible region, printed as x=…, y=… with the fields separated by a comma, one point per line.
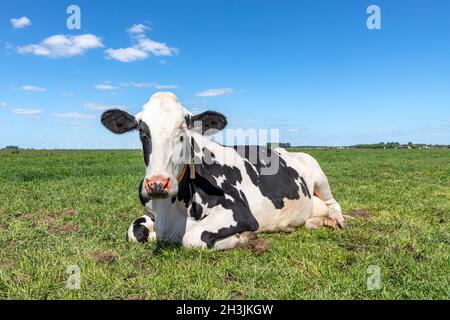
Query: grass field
x=62, y=208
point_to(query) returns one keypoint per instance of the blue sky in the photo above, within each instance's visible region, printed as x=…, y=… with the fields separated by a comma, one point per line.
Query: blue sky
x=310, y=68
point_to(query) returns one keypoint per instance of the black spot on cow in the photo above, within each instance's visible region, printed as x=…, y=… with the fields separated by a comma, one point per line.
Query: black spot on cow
x=196, y=211
x=188, y=187
x=189, y=121
x=138, y=221
x=140, y=231
x=277, y=186
x=144, y=135
x=143, y=199
x=305, y=189
x=195, y=146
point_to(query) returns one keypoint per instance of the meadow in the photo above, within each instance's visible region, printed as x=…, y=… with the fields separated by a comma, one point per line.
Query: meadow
x=65, y=208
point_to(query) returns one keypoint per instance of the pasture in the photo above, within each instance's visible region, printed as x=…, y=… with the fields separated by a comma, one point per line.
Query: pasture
x=62, y=208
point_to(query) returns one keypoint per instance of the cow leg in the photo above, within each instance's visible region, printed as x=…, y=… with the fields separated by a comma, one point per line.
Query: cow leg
x=322, y=188
x=320, y=216
x=237, y=240
x=142, y=229
x=220, y=231
x=234, y=241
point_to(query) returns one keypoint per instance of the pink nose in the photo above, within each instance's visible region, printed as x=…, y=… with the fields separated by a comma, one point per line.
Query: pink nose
x=157, y=184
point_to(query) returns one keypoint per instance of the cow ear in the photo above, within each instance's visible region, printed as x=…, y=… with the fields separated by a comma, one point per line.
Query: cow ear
x=119, y=121
x=209, y=122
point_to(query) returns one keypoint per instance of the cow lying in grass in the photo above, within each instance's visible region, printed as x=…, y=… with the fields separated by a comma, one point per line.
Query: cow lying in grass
x=207, y=195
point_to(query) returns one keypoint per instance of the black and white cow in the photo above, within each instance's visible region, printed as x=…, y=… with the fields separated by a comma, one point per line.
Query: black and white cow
x=204, y=194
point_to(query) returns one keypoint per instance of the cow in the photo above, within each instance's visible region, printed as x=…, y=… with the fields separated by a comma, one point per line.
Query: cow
x=203, y=194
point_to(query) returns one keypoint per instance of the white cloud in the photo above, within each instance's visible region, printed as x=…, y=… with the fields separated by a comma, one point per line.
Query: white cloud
x=293, y=130
x=66, y=93
x=103, y=86
x=137, y=84
x=138, y=28
x=165, y=86
x=3, y=104
x=20, y=22
x=126, y=54
x=27, y=111
x=63, y=46
x=148, y=85
x=154, y=47
x=33, y=89
x=214, y=92
x=74, y=115
x=141, y=48
x=101, y=107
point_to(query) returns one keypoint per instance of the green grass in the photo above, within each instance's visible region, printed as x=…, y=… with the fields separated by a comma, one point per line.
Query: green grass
x=61, y=208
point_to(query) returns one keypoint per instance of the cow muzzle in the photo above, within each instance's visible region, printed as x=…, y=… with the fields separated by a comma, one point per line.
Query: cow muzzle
x=157, y=186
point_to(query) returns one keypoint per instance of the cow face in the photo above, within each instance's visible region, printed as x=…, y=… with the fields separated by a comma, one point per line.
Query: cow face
x=165, y=130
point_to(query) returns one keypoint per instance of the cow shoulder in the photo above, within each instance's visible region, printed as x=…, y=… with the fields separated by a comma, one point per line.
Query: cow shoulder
x=276, y=185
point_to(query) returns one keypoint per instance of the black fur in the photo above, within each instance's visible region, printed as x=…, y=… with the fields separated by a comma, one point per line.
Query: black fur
x=275, y=187
x=143, y=199
x=211, y=122
x=305, y=189
x=118, y=121
x=140, y=231
x=146, y=139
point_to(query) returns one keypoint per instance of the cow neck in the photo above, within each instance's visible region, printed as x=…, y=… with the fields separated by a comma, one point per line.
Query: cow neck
x=186, y=179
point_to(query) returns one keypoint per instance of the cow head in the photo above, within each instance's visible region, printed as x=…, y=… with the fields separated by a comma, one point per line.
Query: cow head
x=165, y=130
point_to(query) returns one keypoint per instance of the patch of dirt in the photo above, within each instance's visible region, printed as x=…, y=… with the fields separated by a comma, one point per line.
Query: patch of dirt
x=65, y=228
x=50, y=220
x=7, y=264
x=415, y=254
x=360, y=213
x=259, y=246
x=237, y=295
x=103, y=257
x=44, y=218
x=350, y=246
x=348, y=262
x=65, y=213
x=229, y=277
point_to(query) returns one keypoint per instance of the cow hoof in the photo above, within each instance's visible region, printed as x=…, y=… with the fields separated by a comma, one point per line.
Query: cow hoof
x=328, y=222
x=335, y=214
x=140, y=234
x=141, y=230
x=247, y=236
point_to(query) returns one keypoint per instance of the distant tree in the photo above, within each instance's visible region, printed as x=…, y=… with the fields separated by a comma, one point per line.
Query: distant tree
x=12, y=148
x=272, y=145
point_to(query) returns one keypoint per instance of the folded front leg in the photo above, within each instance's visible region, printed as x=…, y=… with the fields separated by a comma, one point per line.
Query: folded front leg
x=142, y=229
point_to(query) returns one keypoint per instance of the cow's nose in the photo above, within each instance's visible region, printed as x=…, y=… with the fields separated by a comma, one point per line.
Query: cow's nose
x=157, y=184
